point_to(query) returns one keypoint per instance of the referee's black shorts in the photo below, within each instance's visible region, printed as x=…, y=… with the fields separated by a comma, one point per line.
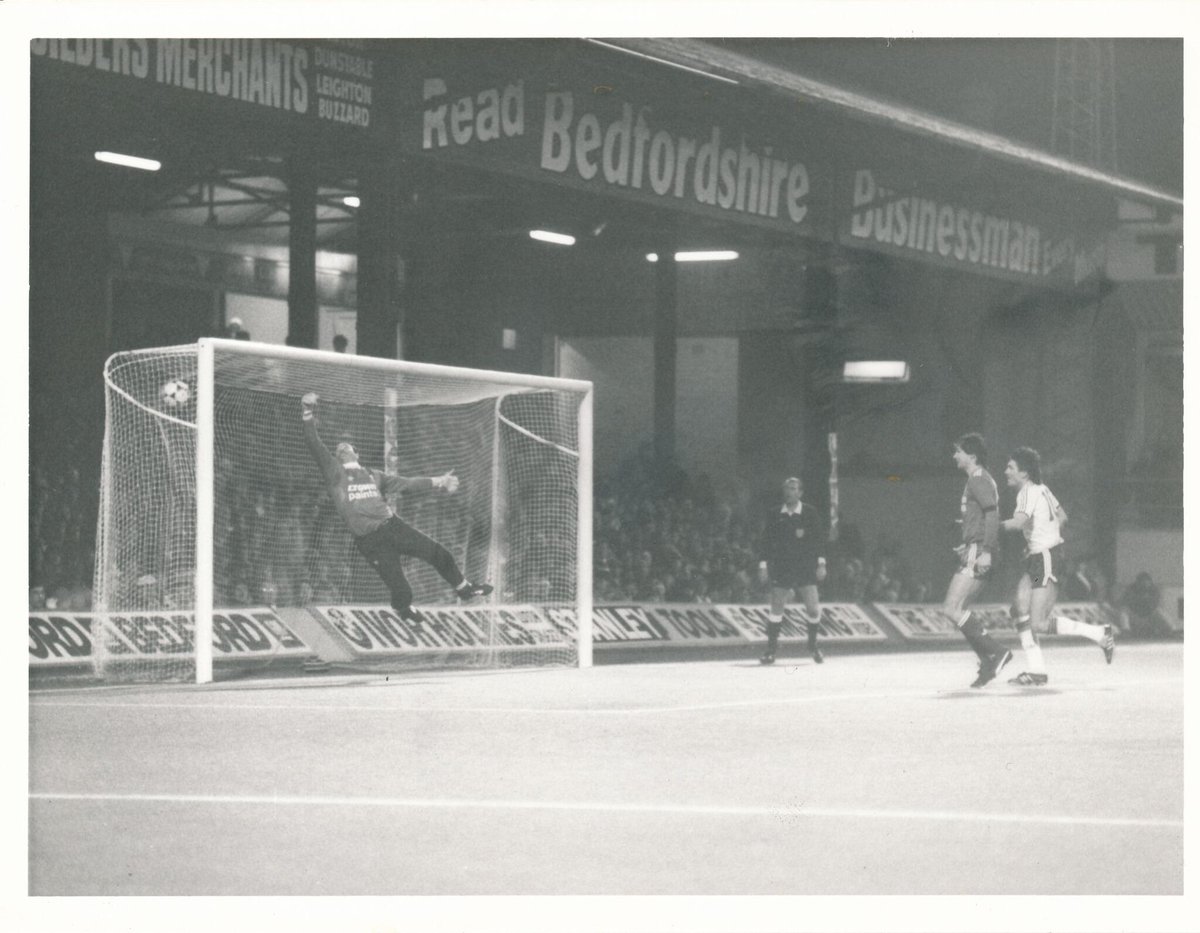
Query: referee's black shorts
x=792, y=578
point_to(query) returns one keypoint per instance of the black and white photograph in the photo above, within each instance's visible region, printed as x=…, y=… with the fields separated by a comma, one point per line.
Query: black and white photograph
x=525, y=472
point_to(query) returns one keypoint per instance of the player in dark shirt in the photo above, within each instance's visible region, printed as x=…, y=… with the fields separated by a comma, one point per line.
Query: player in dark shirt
x=379, y=533
x=793, y=560
x=980, y=537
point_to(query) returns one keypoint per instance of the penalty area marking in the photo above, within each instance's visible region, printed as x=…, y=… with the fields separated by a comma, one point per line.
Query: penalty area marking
x=568, y=711
x=424, y=803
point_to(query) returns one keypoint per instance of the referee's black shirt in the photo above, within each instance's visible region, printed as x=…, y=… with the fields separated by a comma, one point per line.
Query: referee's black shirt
x=792, y=542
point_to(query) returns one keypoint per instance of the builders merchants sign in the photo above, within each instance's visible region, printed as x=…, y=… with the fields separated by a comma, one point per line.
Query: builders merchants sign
x=330, y=82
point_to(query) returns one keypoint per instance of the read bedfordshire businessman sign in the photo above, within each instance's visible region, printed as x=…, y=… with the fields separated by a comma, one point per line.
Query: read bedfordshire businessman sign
x=794, y=175
x=601, y=141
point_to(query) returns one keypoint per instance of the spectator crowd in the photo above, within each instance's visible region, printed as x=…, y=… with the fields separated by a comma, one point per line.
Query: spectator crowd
x=658, y=538
x=673, y=538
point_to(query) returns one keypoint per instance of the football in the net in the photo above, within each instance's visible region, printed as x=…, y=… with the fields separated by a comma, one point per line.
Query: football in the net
x=174, y=394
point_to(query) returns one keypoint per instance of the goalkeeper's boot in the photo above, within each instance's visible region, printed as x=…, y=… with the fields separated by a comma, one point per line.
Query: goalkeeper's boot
x=1109, y=644
x=1026, y=679
x=468, y=590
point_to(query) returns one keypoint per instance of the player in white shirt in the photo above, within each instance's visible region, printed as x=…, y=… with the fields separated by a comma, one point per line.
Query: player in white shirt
x=1040, y=518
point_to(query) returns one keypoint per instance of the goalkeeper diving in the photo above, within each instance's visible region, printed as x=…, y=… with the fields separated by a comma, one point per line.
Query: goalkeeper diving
x=379, y=533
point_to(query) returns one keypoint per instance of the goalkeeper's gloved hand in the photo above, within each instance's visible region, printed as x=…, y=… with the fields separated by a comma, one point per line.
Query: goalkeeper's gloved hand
x=447, y=481
x=308, y=406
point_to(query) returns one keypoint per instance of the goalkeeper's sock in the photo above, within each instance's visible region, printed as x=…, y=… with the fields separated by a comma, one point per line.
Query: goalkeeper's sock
x=1061, y=625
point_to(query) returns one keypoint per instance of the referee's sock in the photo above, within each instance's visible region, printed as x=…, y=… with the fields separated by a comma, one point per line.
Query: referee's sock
x=774, y=626
x=813, y=625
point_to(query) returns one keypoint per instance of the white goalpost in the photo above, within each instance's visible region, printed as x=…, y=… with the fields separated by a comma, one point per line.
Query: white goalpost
x=218, y=545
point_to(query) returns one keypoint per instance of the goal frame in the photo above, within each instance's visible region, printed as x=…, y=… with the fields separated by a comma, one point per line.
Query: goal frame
x=205, y=447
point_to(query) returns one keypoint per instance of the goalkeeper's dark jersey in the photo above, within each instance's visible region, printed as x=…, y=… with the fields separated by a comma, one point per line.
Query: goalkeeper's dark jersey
x=358, y=493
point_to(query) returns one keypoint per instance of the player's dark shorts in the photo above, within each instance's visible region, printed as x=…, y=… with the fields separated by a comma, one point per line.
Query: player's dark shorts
x=968, y=560
x=792, y=578
x=1044, y=567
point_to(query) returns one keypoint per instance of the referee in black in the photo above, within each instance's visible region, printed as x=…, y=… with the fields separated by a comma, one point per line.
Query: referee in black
x=793, y=560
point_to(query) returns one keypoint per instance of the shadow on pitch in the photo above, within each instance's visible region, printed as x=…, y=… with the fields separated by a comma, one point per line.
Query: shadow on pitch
x=968, y=693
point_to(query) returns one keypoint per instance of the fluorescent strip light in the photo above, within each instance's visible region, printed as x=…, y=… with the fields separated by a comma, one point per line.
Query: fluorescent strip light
x=117, y=158
x=875, y=371
x=548, y=237
x=351, y=200
x=711, y=255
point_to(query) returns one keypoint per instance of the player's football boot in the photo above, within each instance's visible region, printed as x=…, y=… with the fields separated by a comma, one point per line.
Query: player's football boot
x=817, y=657
x=1109, y=644
x=1026, y=679
x=990, y=667
x=471, y=590
x=768, y=658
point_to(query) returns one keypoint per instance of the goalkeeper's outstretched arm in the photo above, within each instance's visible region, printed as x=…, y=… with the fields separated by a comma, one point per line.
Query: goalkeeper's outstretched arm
x=325, y=460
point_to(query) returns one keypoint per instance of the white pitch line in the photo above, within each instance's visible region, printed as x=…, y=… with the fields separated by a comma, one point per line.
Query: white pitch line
x=597, y=807
x=546, y=710
x=538, y=710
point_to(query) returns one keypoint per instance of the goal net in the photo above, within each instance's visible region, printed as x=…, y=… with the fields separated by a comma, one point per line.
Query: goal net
x=219, y=549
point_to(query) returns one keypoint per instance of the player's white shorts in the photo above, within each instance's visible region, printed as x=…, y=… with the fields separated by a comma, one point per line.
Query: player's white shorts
x=1044, y=566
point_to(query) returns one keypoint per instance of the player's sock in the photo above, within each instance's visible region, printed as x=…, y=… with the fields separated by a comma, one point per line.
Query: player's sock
x=1061, y=625
x=812, y=625
x=1034, y=662
x=984, y=645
